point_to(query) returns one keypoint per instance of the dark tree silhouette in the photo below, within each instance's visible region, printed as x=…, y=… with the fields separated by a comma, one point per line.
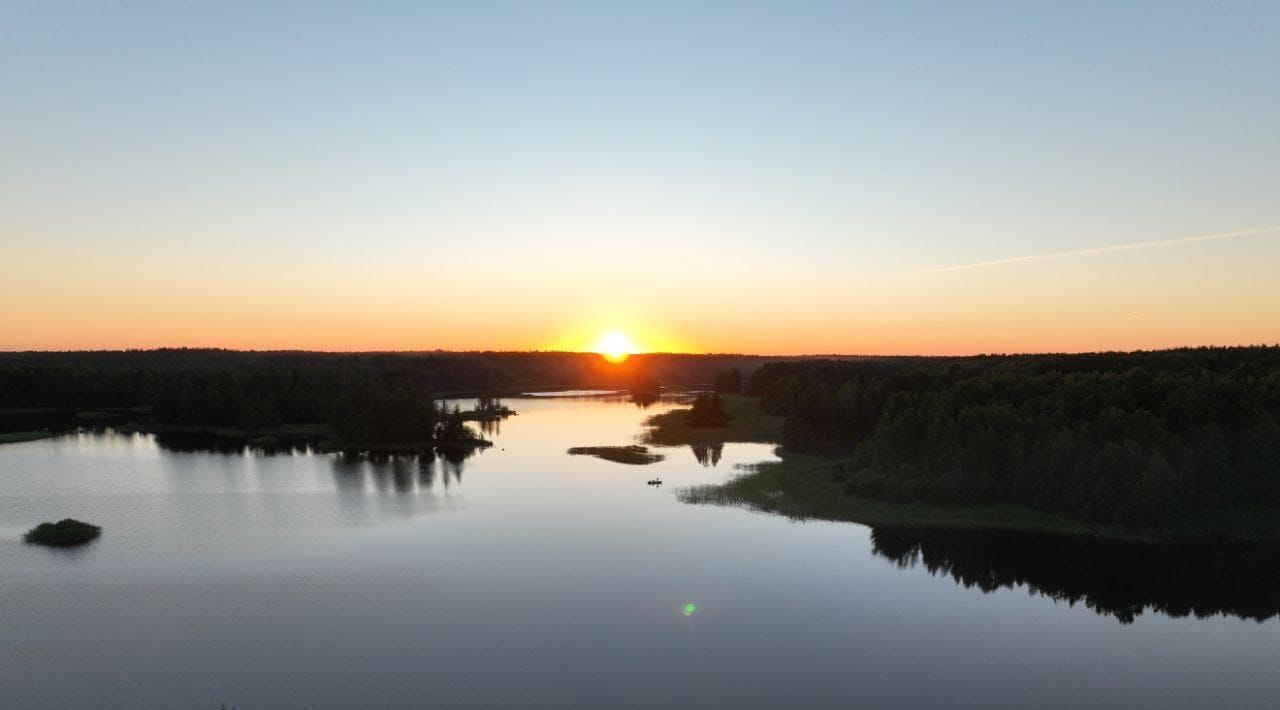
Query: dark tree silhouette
x=1138, y=439
x=729, y=381
x=707, y=411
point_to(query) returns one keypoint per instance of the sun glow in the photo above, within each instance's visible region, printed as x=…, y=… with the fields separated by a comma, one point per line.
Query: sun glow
x=615, y=346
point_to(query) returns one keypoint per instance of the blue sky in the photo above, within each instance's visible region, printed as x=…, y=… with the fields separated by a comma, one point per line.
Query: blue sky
x=197, y=150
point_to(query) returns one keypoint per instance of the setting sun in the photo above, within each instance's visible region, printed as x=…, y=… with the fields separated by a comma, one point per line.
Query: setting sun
x=615, y=346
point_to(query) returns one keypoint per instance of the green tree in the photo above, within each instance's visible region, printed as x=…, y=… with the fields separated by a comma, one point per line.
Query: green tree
x=729, y=381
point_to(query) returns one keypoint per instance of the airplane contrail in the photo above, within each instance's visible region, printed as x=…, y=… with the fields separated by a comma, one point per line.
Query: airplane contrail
x=1133, y=246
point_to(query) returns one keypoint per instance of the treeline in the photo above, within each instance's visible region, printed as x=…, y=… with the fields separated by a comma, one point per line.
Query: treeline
x=365, y=397
x=1132, y=438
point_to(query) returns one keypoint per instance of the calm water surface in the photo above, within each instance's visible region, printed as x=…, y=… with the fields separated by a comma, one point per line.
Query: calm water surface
x=528, y=578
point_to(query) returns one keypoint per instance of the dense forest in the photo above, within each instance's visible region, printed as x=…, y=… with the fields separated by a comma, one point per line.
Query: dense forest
x=363, y=397
x=1137, y=439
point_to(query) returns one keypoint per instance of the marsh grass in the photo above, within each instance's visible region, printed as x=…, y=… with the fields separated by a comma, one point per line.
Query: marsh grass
x=13, y=437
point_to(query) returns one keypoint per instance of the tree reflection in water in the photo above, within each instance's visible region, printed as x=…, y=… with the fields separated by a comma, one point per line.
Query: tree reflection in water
x=204, y=443
x=490, y=428
x=707, y=454
x=644, y=398
x=1205, y=577
x=402, y=472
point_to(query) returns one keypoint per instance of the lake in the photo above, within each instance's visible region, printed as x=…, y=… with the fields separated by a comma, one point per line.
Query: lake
x=525, y=577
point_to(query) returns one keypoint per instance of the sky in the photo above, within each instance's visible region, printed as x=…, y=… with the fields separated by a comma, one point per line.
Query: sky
x=784, y=177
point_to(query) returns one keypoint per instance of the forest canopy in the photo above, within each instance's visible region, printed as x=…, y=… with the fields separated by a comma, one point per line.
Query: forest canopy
x=1137, y=439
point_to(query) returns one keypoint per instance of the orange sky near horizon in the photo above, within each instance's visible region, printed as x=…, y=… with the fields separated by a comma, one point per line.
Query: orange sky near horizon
x=1195, y=295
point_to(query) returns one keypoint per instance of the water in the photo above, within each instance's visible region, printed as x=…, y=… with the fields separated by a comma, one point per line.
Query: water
x=529, y=578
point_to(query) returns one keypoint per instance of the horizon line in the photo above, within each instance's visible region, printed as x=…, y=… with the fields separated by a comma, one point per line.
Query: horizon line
x=442, y=351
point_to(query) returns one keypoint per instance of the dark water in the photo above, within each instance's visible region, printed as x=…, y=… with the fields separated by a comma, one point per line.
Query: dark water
x=524, y=577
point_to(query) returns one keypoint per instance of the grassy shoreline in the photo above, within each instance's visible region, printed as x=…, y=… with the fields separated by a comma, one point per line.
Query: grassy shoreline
x=15, y=437
x=809, y=486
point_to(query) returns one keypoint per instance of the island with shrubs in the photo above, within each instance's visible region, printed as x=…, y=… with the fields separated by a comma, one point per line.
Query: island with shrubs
x=64, y=533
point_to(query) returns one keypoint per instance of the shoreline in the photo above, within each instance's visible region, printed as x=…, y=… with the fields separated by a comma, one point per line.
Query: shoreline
x=319, y=436
x=17, y=437
x=812, y=486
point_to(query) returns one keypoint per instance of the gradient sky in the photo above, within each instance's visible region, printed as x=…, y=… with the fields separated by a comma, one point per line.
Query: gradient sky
x=783, y=177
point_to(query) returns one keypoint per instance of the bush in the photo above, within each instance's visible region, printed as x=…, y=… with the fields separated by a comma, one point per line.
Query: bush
x=708, y=411
x=729, y=381
x=62, y=533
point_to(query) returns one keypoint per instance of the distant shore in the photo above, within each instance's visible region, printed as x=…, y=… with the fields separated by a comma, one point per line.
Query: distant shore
x=320, y=436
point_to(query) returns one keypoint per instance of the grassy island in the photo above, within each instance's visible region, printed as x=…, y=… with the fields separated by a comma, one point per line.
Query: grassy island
x=63, y=533
x=488, y=409
x=634, y=454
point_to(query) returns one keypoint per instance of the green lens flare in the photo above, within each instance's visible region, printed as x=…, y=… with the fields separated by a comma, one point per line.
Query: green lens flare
x=690, y=608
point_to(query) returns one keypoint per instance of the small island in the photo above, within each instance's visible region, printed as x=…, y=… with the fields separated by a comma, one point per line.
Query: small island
x=64, y=533
x=488, y=409
x=634, y=454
